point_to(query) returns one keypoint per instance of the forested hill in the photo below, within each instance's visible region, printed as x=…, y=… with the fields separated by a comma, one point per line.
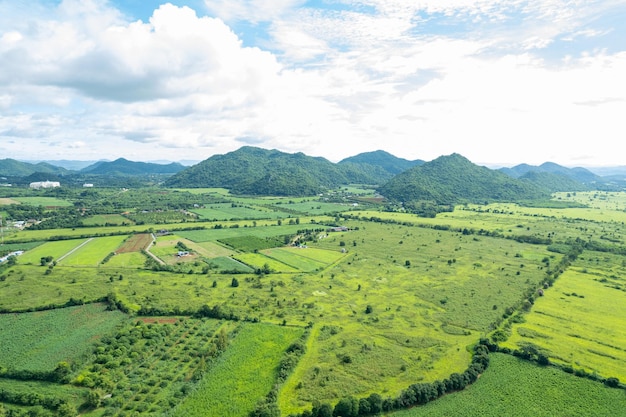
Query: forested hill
x=388, y=162
x=581, y=175
x=256, y=171
x=123, y=166
x=453, y=179
x=11, y=167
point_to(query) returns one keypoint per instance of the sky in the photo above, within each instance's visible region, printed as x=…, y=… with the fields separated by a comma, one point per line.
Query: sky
x=500, y=82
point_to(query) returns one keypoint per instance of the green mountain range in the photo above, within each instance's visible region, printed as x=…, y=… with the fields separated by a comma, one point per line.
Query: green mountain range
x=123, y=166
x=454, y=179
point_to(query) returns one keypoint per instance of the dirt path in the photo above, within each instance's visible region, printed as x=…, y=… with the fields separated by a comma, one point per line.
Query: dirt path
x=156, y=258
x=75, y=249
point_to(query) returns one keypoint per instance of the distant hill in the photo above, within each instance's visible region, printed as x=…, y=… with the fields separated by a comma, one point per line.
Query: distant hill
x=14, y=168
x=256, y=171
x=123, y=166
x=553, y=182
x=388, y=162
x=454, y=179
x=582, y=175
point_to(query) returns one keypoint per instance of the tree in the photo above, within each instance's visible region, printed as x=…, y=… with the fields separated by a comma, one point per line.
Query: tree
x=234, y=283
x=346, y=407
x=369, y=309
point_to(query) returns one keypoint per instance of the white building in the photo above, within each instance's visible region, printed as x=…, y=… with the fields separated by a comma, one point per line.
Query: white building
x=45, y=184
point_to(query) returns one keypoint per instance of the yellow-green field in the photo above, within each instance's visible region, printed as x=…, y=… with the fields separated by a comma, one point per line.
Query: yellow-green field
x=93, y=251
x=127, y=260
x=55, y=249
x=581, y=320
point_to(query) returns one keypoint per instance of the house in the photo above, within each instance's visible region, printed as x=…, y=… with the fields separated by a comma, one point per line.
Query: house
x=338, y=229
x=87, y=185
x=183, y=253
x=44, y=184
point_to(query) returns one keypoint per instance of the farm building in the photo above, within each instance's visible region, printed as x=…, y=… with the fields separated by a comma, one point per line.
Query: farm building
x=45, y=184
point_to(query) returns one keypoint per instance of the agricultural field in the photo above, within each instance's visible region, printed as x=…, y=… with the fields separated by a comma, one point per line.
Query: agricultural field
x=232, y=211
x=38, y=341
x=91, y=252
x=43, y=201
x=242, y=375
x=581, y=321
x=391, y=300
x=512, y=387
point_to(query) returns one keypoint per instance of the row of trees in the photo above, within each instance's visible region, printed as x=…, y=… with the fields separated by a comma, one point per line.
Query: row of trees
x=415, y=394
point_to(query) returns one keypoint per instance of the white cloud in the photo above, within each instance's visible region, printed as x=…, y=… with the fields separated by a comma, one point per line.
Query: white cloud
x=368, y=76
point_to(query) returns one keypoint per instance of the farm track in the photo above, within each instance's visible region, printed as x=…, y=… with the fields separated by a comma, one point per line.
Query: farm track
x=75, y=249
x=156, y=258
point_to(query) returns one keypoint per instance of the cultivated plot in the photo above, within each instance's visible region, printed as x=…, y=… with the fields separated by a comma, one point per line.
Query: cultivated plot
x=581, y=320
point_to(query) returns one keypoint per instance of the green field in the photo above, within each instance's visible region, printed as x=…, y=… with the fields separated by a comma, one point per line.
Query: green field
x=39, y=341
x=92, y=252
x=581, y=320
x=43, y=201
x=242, y=375
x=393, y=300
x=228, y=211
x=54, y=249
x=512, y=387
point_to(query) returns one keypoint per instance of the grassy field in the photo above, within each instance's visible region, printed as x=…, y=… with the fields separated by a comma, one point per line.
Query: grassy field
x=512, y=387
x=55, y=249
x=93, y=251
x=391, y=301
x=43, y=201
x=581, y=320
x=226, y=211
x=243, y=375
x=39, y=341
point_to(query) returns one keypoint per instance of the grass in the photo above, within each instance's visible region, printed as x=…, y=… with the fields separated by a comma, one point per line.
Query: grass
x=226, y=211
x=106, y=219
x=580, y=321
x=55, y=249
x=512, y=387
x=127, y=260
x=242, y=375
x=38, y=341
x=292, y=258
x=93, y=251
x=76, y=396
x=43, y=201
x=259, y=261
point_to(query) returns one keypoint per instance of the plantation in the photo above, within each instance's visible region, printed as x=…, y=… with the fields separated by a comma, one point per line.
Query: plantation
x=374, y=301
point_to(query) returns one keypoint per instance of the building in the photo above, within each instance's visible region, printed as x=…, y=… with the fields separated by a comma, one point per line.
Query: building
x=44, y=184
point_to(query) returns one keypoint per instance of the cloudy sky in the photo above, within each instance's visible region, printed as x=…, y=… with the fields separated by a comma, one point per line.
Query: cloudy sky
x=498, y=81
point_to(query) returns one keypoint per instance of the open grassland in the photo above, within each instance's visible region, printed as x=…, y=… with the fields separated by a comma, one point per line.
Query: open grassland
x=581, y=320
x=606, y=200
x=313, y=207
x=431, y=294
x=512, y=387
x=242, y=375
x=93, y=251
x=55, y=249
x=166, y=250
x=404, y=302
x=39, y=341
x=44, y=201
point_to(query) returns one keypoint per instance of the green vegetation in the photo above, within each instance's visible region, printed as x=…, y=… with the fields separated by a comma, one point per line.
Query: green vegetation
x=512, y=387
x=242, y=375
x=388, y=302
x=38, y=341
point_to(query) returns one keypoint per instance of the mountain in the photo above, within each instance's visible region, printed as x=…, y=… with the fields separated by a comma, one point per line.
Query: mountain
x=251, y=170
x=14, y=168
x=256, y=171
x=582, y=175
x=553, y=182
x=123, y=166
x=452, y=179
x=381, y=159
